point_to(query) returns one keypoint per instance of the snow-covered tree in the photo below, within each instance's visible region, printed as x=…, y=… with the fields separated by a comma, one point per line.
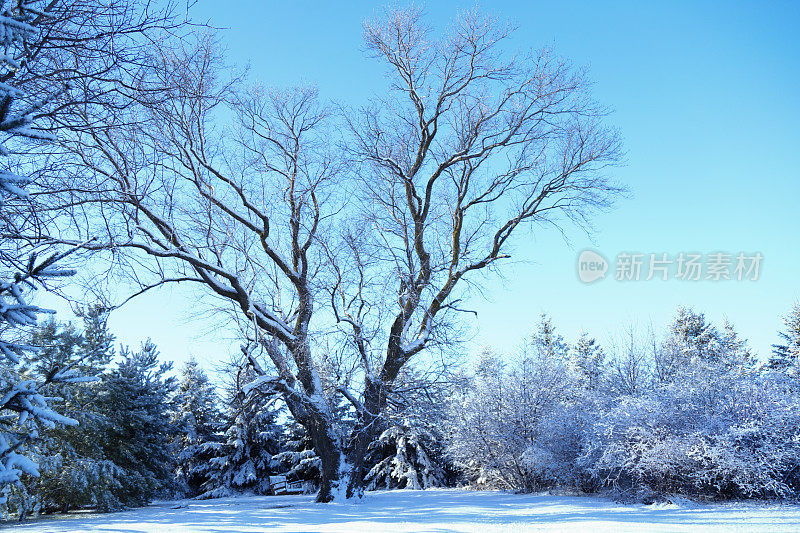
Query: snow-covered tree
x=251, y=438
x=135, y=403
x=405, y=457
x=714, y=427
x=630, y=366
x=24, y=409
x=297, y=459
x=547, y=341
x=500, y=427
x=690, y=339
x=741, y=440
x=197, y=421
x=786, y=356
x=734, y=354
x=409, y=453
x=453, y=163
x=53, y=55
x=586, y=358
x=74, y=472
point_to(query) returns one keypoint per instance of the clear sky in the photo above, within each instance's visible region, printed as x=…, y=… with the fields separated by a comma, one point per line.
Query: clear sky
x=706, y=97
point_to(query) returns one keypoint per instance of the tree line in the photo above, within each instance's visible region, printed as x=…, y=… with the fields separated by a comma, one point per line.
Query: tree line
x=688, y=412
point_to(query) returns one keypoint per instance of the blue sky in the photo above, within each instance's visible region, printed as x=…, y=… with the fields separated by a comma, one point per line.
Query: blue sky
x=706, y=98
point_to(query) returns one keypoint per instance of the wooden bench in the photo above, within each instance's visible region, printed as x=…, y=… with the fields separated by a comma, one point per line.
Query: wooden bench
x=278, y=485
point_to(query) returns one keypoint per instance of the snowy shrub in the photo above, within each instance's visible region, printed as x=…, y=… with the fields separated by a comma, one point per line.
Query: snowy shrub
x=517, y=425
x=745, y=445
x=697, y=418
x=551, y=459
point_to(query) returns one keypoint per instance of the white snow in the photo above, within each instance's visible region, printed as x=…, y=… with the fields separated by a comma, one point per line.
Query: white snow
x=430, y=510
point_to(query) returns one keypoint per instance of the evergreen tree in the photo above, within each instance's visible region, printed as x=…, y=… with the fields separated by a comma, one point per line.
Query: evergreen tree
x=136, y=405
x=734, y=354
x=587, y=358
x=406, y=456
x=23, y=408
x=547, y=341
x=785, y=356
x=74, y=472
x=197, y=419
x=297, y=459
x=245, y=460
x=690, y=339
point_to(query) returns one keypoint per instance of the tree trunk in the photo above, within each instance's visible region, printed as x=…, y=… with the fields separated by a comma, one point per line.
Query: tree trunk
x=330, y=455
x=326, y=446
x=368, y=428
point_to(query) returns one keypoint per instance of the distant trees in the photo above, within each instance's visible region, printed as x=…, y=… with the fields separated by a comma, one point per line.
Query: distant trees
x=692, y=341
x=406, y=457
x=722, y=427
x=134, y=432
x=297, y=459
x=136, y=403
x=410, y=451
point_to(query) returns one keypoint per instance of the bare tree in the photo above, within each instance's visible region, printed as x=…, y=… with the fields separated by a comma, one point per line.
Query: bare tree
x=634, y=361
x=238, y=192
x=227, y=190
x=470, y=146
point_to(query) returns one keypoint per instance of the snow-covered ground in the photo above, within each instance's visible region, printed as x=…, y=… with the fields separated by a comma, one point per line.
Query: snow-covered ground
x=431, y=510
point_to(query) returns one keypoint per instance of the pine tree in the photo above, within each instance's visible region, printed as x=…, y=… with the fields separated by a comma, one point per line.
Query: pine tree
x=547, y=341
x=297, y=459
x=690, y=339
x=785, y=356
x=74, y=472
x=23, y=409
x=734, y=352
x=137, y=439
x=407, y=453
x=406, y=456
x=245, y=460
x=587, y=358
x=197, y=419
